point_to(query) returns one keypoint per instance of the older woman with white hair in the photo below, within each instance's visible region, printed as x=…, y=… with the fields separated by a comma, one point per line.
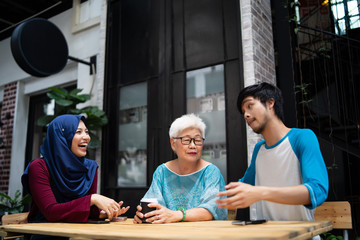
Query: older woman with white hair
x=185, y=187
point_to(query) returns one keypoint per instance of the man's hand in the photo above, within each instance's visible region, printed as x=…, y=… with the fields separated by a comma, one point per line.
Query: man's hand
x=239, y=195
x=242, y=195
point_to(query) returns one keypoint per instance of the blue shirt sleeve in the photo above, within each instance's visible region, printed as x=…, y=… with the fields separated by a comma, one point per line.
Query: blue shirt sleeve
x=313, y=169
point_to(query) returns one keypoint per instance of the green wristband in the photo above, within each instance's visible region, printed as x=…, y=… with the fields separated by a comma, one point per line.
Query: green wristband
x=183, y=211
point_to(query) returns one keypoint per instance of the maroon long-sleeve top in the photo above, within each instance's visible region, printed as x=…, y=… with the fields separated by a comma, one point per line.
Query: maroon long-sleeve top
x=43, y=199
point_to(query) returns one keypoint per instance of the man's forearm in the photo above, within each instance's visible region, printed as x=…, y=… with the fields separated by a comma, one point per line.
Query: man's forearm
x=293, y=195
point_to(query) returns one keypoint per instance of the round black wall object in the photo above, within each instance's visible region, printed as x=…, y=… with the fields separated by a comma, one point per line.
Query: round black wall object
x=39, y=47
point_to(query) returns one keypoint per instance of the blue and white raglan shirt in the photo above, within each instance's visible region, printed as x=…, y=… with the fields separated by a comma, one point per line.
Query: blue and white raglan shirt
x=296, y=159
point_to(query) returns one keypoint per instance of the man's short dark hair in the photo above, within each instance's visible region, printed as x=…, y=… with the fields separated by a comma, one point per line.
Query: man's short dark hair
x=264, y=92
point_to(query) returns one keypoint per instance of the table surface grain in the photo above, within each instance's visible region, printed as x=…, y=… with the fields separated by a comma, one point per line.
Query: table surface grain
x=182, y=230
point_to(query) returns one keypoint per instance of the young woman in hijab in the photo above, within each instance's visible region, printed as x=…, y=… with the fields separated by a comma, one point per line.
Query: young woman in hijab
x=185, y=187
x=63, y=183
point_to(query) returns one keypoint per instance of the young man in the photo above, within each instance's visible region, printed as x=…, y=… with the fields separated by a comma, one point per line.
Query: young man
x=287, y=177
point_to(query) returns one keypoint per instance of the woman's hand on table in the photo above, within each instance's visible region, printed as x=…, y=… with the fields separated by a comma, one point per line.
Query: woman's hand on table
x=160, y=215
x=138, y=215
x=122, y=210
x=110, y=208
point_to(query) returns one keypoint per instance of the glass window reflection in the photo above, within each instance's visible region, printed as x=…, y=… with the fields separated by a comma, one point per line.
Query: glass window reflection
x=132, y=136
x=206, y=97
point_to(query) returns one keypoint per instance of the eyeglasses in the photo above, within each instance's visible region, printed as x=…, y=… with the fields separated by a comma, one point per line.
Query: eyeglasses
x=198, y=141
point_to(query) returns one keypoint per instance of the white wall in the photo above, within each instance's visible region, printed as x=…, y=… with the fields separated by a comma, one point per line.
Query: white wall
x=9, y=70
x=82, y=45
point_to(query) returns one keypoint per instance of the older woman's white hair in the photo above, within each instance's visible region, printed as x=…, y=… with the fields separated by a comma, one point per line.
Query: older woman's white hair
x=187, y=121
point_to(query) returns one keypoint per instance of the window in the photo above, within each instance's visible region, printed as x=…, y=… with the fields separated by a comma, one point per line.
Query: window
x=346, y=15
x=206, y=98
x=132, y=136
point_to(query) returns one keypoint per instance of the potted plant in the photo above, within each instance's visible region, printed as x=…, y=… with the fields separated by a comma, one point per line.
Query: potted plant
x=10, y=205
x=12, y=208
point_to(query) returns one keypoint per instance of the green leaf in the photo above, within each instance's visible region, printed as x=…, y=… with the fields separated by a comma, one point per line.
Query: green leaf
x=54, y=96
x=5, y=196
x=104, y=120
x=16, y=200
x=57, y=93
x=3, y=201
x=17, y=194
x=75, y=91
x=64, y=102
x=61, y=91
x=79, y=98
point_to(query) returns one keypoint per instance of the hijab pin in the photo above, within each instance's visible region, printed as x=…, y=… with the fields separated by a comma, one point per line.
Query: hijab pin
x=62, y=129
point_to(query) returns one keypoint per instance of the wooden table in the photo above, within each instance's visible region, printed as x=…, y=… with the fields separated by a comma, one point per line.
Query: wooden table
x=184, y=230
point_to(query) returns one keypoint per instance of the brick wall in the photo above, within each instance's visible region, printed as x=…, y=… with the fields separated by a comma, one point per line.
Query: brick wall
x=7, y=118
x=258, y=50
x=263, y=42
x=258, y=47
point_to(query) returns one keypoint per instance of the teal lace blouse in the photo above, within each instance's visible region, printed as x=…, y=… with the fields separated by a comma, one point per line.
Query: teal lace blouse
x=195, y=190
